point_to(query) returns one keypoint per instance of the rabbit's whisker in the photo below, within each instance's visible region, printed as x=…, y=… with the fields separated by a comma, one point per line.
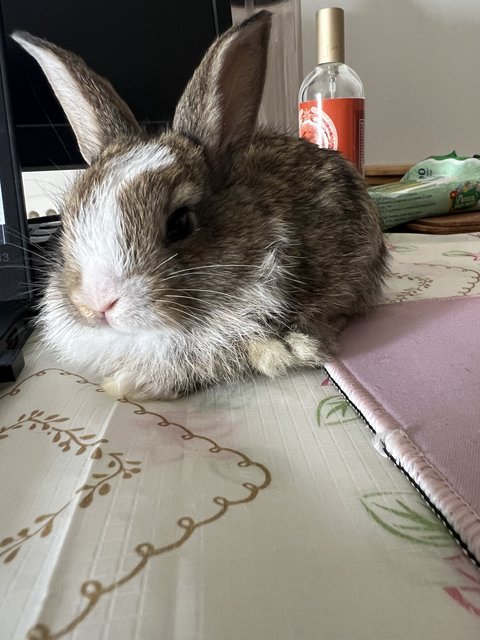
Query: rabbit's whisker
x=198, y=270
x=159, y=266
x=185, y=312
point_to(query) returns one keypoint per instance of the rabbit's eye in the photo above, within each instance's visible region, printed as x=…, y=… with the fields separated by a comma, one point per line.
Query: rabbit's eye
x=179, y=224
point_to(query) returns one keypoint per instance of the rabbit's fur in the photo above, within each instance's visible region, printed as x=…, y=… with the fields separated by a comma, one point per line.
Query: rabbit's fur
x=274, y=242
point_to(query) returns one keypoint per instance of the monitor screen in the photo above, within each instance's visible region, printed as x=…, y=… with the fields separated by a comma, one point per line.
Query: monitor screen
x=15, y=281
x=148, y=49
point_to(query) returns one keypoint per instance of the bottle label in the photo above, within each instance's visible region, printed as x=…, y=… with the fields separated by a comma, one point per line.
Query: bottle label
x=335, y=123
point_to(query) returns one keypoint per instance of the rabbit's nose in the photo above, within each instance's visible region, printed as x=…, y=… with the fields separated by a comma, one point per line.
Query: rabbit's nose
x=105, y=310
x=99, y=292
x=105, y=307
x=97, y=298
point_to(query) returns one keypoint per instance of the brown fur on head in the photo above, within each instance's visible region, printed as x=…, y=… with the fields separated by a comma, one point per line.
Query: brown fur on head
x=211, y=250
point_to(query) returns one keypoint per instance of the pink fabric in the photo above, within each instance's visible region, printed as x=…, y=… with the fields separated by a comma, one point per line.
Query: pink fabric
x=413, y=370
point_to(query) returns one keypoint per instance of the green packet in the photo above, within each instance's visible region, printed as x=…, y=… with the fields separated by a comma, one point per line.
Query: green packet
x=438, y=185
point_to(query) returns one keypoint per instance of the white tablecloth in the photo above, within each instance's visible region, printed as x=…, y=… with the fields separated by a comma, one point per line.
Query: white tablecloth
x=261, y=511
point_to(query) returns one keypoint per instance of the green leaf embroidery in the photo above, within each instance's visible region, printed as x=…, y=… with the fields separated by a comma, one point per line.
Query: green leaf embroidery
x=334, y=410
x=392, y=511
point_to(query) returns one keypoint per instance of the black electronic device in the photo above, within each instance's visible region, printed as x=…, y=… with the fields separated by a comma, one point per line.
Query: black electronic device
x=16, y=293
x=148, y=49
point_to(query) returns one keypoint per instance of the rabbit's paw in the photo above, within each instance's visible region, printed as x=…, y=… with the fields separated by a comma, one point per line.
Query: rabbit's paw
x=121, y=385
x=270, y=357
x=305, y=350
x=118, y=386
x=273, y=357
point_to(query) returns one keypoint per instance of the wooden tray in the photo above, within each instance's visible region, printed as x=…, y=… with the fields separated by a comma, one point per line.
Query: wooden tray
x=452, y=223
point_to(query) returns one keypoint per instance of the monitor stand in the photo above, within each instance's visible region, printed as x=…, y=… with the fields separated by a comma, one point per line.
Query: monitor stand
x=17, y=316
x=16, y=292
x=15, y=327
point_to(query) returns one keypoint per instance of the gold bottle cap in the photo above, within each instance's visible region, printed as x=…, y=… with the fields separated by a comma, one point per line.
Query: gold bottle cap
x=330, y=35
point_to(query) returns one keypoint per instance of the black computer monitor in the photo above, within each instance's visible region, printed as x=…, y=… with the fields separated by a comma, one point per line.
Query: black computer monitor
x=148, y=49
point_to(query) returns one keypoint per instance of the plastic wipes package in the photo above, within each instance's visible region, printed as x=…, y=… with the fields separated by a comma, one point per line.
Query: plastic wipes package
x=438, y=185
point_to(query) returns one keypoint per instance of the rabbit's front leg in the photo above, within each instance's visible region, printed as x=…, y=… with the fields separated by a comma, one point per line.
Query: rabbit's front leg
x=273, y=356
x=124, y=383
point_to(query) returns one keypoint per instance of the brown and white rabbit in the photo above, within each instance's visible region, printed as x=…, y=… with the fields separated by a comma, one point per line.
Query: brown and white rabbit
x=211, y=251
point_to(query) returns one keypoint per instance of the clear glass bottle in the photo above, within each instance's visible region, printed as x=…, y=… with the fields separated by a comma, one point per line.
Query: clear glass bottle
x=331, y=98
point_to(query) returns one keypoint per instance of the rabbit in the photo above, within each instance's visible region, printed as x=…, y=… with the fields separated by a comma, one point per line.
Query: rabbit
x=209, y=252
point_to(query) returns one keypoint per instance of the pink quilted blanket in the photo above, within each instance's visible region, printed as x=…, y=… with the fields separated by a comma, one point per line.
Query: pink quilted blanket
x=412, y=370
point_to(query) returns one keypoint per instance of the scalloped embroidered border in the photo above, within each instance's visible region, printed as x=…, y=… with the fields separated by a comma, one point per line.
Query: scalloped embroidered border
x=93, y=590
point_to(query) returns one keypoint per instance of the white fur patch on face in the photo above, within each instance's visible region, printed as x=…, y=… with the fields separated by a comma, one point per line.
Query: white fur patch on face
x=147, y=157
x=96, y=241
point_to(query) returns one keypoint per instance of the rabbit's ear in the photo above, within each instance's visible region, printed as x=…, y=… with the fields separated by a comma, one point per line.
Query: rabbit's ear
x=219, y=107
x=98, y=116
